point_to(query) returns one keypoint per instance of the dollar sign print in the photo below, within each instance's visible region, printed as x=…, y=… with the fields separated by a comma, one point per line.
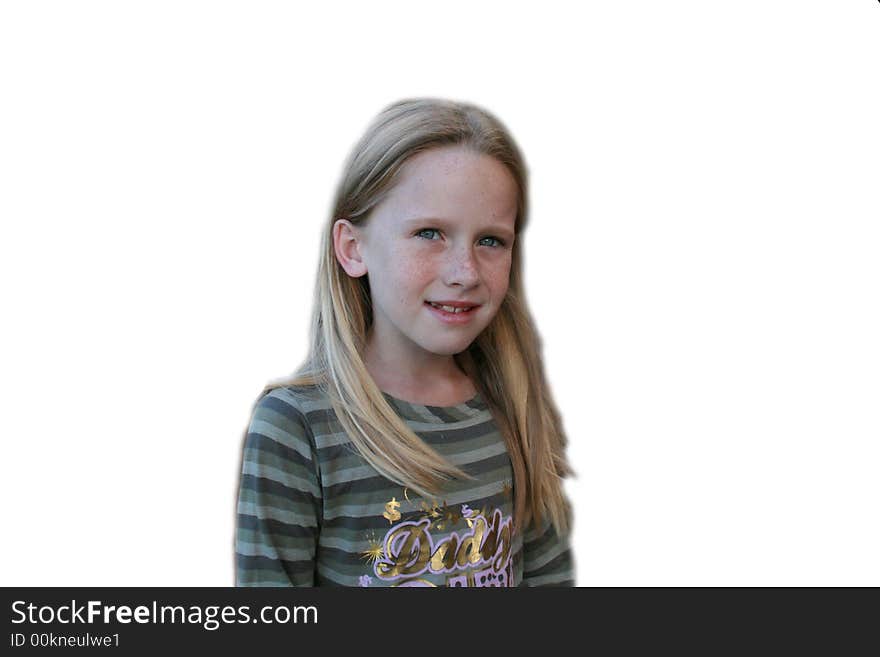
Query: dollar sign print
x=391, y=512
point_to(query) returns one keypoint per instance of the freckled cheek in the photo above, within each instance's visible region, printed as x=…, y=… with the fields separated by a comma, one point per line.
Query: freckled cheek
x=497, y=279
x=412, y=278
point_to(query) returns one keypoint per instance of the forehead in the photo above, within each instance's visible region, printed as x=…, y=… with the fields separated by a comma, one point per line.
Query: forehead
x=453, y=183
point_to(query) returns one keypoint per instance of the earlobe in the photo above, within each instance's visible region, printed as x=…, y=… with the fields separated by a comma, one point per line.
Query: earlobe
x=347, y=246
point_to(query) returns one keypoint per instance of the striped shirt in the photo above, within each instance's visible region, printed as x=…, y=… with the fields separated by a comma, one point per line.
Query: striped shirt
x=313, y=512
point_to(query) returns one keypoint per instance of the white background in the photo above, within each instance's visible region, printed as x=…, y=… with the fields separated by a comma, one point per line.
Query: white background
x=702, y=263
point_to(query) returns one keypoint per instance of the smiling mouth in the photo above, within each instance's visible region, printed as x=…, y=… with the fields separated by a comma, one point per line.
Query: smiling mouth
x=451, y=309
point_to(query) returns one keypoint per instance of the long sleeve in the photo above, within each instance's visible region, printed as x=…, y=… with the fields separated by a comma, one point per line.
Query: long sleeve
x=279, y=498
x=547, y=557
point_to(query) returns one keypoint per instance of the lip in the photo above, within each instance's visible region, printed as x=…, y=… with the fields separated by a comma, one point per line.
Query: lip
x=454, y=318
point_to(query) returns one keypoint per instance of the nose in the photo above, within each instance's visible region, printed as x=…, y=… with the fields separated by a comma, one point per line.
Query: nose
x=461, y=268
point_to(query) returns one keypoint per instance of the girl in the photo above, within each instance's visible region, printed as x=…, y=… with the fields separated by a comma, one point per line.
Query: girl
x=419, y=444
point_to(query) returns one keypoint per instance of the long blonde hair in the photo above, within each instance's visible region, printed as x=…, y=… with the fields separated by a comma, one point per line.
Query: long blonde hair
x=504, y=361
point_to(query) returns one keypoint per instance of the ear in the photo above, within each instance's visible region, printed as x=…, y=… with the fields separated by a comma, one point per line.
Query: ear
x=347, y=244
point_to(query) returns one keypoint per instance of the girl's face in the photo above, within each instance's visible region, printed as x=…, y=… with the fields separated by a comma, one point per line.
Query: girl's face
x=443, y=234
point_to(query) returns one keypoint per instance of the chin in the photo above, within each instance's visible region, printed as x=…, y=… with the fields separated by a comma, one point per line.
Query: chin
x=449, y=349
x=444, y=351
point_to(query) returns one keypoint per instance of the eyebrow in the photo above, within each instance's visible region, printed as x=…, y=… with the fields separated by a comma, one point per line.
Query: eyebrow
x=499, y=229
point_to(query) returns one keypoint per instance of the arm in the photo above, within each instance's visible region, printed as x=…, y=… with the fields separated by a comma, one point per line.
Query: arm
x=279, y=498
x=547, y=557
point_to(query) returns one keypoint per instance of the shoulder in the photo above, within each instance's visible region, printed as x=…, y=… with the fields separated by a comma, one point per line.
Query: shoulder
x=279, y=445
x=295, y=400
x=285, y=415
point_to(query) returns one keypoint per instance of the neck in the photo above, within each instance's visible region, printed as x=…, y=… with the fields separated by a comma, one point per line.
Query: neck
x=423, y=378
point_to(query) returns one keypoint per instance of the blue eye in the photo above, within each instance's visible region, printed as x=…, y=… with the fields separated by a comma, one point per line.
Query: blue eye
x=498, y=243
x=427, y=230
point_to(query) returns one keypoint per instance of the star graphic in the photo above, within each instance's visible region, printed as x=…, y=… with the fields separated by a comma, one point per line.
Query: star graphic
x=374, y=550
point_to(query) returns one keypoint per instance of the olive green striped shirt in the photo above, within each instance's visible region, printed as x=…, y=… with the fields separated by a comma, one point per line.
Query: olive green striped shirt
x=313, y=512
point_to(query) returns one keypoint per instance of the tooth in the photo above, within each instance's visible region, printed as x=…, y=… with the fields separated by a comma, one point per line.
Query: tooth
x=449, y=309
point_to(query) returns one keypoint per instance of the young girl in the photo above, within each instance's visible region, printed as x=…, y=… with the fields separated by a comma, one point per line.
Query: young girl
x=419, y=444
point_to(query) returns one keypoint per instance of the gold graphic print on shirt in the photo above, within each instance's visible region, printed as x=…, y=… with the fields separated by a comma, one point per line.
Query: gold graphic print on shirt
x=391, y=510
x=476, y=553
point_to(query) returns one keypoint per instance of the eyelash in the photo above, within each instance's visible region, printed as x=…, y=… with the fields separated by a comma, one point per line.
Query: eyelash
x=491, y=237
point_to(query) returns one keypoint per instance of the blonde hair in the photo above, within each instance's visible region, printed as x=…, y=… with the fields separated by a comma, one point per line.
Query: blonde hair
x=504, y=361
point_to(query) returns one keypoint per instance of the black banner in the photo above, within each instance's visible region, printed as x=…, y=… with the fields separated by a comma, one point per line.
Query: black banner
x=130, y=620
